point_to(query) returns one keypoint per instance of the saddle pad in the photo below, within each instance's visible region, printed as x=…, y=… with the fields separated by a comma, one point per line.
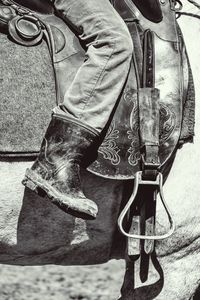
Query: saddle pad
x=27, y=89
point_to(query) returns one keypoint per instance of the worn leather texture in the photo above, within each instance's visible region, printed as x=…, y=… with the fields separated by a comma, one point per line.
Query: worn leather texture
x=56, y=171
x=23, y=128
x=120, y=153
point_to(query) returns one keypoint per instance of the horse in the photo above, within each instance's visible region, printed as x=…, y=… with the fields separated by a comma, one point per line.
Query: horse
x=34, y=232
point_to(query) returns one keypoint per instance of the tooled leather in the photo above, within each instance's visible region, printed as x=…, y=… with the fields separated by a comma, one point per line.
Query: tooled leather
x=168, y=79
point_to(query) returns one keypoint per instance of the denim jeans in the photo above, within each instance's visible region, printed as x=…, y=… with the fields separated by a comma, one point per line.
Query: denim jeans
x=99, y=81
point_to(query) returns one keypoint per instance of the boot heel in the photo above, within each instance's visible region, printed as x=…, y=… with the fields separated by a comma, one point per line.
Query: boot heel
x=28, y=183
x=33, y=186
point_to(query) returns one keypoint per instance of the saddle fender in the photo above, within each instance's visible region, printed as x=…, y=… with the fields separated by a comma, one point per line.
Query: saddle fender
x=120, y=153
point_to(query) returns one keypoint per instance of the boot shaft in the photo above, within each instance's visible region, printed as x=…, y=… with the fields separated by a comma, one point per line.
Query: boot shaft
x=67, y=139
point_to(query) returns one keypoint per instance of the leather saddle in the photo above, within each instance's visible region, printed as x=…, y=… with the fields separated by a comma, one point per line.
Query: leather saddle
x=146, y=127
x=120, y=153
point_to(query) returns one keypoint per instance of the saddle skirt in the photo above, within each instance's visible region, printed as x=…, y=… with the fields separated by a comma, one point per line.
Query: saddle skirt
x=119, y=156
x=120, y=153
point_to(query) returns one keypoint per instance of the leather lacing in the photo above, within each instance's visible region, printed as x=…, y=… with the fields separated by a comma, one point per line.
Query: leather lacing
x=180, y=13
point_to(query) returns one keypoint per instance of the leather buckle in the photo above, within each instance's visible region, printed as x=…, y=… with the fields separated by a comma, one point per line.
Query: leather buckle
x=150, y=165
x=150, y=161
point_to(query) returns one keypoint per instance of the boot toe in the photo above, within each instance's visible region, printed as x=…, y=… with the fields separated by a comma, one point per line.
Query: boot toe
x=79, y=207
x=76, y=205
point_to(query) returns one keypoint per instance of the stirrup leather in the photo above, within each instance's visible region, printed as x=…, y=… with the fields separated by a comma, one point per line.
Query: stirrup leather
x=148, y=182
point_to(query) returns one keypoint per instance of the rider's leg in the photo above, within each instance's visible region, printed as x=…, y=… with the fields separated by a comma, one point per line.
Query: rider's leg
x=98, y=82
x=87, y=104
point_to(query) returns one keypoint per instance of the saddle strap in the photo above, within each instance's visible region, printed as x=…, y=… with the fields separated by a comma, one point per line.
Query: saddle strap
x=149, y=108
x=149, y=179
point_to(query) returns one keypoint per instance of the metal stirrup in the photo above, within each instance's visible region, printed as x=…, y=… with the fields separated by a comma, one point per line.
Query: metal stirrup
x=139, y=181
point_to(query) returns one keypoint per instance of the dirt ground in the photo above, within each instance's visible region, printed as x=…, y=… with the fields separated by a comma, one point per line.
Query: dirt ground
x=100, y=282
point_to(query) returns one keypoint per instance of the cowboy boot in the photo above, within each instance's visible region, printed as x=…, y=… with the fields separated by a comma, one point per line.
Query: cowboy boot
x=66, y=146
x=150, y=9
